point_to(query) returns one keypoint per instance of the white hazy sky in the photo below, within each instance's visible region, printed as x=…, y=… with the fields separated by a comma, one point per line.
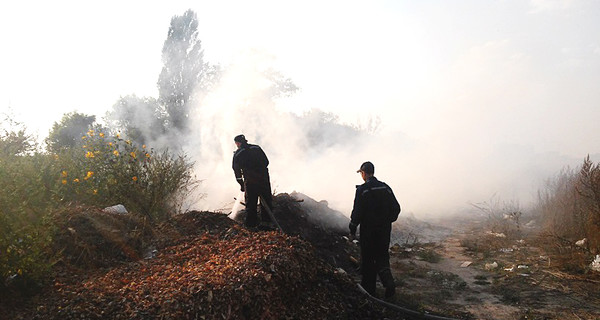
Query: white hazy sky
x=475, y=78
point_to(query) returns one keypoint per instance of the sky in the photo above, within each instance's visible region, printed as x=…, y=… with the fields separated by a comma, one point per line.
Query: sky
x=475, y=97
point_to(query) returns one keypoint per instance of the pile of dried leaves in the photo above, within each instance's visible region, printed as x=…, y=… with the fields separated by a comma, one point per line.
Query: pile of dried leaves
x=209, y=267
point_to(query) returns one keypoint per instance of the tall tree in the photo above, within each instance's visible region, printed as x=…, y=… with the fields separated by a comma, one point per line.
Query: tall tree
x=183, y=70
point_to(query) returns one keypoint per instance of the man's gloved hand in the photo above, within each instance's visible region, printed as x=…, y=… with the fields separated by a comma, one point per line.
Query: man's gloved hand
x=352, y=228
x=242, y=188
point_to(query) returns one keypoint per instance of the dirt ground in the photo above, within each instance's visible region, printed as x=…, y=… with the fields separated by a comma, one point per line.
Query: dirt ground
x=509, y=279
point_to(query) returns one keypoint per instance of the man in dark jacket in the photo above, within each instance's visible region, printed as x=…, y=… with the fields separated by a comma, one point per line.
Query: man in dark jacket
x=375, y=208
x=250, y=169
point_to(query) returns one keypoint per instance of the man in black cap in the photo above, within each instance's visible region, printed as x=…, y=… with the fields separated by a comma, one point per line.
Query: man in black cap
x=250, y=168
x=375, y=208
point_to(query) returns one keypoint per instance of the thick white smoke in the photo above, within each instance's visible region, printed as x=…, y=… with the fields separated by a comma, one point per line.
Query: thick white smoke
x=435, y=175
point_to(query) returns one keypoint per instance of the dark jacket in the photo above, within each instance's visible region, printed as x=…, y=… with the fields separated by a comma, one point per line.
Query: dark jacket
x=374, y=204
x=250, y=162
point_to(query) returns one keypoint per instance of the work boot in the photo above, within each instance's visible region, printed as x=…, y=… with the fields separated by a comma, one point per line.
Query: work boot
x=390, y=292
x=388, y=282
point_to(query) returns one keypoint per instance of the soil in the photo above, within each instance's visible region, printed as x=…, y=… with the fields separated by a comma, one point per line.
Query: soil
x=451, y=279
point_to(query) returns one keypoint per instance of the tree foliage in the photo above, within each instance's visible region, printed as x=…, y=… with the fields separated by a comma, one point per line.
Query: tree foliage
x=183, y=70
x=142, y=119
x=14, y=139
x=68, y=131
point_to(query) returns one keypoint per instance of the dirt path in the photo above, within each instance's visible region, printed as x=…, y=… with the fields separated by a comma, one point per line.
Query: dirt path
x=477, y=299
x=436, y=278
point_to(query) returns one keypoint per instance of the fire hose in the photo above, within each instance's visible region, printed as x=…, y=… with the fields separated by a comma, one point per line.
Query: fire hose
x=264, y=205
x=269, y=212
x=404, y=311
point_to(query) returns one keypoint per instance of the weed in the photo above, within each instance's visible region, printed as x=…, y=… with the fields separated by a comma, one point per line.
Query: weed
x=429, y=255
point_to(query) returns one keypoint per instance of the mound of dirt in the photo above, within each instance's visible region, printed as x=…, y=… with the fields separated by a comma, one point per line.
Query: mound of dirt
x=90, y=237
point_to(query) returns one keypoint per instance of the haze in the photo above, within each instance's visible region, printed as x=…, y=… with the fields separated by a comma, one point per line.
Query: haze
x=475, y=98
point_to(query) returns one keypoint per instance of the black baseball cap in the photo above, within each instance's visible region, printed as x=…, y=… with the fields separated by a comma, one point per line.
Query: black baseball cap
x=240, y=138
x=367, y=167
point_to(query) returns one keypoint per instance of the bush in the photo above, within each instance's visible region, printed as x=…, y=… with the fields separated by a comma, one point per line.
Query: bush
x=102, y=171
x=106, y=171
x=25, y=202
x=570, y=207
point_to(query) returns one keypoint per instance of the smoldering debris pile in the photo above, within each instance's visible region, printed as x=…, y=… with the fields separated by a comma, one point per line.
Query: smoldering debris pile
x=207, y=267
x=314, y=222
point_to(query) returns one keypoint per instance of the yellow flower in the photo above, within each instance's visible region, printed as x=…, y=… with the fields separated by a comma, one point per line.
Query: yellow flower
x=110, y=144
x=64, y=173
x=134, y=178
x=89, y=154
x=101, y=135
x=76, y=180
x=116, y=153
x=147, y=155
x=89, y=175
x=84, y=146
x=144, y=146
x=83, y=138
x=64, y=181
x=55, y=157
x=91, y=133
x=118, y=135
x=95, y=191
x=132, y=154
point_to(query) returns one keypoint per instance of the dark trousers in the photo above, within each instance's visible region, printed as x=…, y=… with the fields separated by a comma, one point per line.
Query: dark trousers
x=375, y=256
x=253, y=192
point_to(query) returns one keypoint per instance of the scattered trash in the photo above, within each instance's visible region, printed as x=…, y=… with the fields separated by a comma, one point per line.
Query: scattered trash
x=511, y=269
x=150, y=253
x=530, y=224
x=340, y=271
x=524, y=274
x=10, y=279
x=522, y=266
x=506, y=250
x=345, y=238
x=595, y=265
x=521, y=241
x=491, y=266
x=355, y=241
x=119, y=208
x=498, y=235
x=466, y=264
x=581, y=242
